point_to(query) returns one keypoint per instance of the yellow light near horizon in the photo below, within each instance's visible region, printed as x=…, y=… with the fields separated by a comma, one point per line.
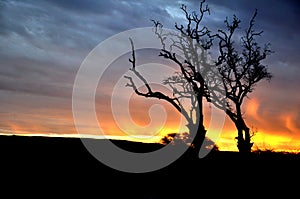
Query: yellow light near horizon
x=262, y=141
x=265, y=141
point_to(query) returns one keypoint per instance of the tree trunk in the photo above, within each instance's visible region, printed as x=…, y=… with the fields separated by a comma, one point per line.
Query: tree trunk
x=244, y=143
x=199, y=133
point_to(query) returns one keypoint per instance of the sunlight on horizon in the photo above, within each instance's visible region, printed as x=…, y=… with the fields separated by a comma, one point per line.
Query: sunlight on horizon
x=262, y=141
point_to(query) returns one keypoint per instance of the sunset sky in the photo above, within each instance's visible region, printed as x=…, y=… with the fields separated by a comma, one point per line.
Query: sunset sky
x=43, y=44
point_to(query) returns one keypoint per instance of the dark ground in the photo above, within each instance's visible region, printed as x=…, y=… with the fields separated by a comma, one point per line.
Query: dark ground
x=49, y=167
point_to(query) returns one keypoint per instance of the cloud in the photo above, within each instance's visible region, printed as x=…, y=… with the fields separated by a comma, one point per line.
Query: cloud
x=86, y=6
x=35, y=77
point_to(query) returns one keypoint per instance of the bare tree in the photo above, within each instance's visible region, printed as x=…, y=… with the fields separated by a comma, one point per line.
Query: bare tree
x=241, y=69
x=239, y=66
x=188, y=83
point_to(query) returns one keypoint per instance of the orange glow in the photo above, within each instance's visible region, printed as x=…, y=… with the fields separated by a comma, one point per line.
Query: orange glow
x=252, y=108
x=277, y=131
x=289, y=123
x=279, y=135
x=226, y=141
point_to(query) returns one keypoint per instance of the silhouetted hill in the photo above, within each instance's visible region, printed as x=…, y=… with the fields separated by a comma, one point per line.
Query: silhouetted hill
x=49, y=163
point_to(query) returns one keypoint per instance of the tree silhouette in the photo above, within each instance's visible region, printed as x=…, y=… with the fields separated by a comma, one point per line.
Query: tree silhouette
x=241, y=69
x=188, y=83
x=225, y=82
x=184, y=138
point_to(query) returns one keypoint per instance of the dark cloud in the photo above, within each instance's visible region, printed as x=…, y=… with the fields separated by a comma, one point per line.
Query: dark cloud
x=35, y=77
x=43, y=42
x=39, y=25
x=80, y=25
x=65, y=31
x=84, y=6
x=278, y=19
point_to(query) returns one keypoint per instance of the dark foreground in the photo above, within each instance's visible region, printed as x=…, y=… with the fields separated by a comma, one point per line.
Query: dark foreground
x=53, y=166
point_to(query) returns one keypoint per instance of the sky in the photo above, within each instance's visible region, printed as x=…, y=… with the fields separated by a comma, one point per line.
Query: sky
x=44, y=43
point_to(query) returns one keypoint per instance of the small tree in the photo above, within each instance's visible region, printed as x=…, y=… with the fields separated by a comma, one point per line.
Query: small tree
x=184, y=138
x=241, y=69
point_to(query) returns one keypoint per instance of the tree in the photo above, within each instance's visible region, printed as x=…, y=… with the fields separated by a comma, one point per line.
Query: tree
x=188, y=83
x=241, y=69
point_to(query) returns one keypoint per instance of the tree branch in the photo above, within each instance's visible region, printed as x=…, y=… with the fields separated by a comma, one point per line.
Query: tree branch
x=149, y=93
